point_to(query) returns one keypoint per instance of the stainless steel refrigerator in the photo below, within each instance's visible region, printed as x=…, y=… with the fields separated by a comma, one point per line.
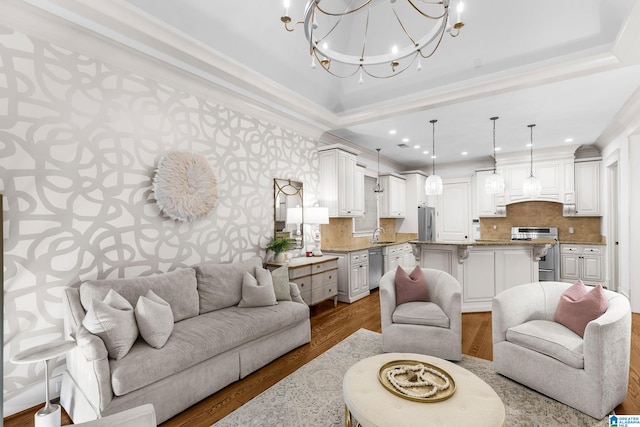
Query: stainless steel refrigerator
x=426, y=224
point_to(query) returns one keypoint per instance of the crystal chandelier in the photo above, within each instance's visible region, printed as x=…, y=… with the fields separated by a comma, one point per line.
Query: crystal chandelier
x=379, y=38
x=532, y=187
x=495, y=182
x=433, y=186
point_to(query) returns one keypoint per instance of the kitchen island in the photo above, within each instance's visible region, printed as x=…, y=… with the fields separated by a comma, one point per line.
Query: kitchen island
x=484, y=268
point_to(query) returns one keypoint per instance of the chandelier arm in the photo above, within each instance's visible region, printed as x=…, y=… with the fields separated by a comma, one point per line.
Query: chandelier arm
x=402, y=26
x=445, y=13
x=375, y=76
x=338, y=21
x=435, y=47
x=328, y=70
x=346, y=12
x=366, y=32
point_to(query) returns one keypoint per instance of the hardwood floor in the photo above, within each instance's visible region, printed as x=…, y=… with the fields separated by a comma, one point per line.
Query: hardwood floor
x=329, y=326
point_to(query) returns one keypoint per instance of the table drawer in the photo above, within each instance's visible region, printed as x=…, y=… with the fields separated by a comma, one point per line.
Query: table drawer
x=596, y=250
x=569, y=249
x=324, y=266
x=306, y=297
x=294, y=273
x=324, y=292
x=324, y=278
x=304, y=283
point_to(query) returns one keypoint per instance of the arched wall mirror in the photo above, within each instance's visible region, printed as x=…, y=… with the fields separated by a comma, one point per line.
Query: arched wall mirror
x=287, y=211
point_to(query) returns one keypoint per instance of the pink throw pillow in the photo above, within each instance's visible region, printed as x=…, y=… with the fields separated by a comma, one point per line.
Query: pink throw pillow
x=410, y=287
x=578, y=306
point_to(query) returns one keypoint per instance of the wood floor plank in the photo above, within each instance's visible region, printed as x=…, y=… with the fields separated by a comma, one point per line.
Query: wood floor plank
x=329, y=326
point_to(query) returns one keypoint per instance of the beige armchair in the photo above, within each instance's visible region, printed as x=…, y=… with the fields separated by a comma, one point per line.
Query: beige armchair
x=590, y=374
x=433, y=328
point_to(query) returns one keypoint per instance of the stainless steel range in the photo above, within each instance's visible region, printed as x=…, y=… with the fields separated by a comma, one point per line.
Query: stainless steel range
x=549, y=265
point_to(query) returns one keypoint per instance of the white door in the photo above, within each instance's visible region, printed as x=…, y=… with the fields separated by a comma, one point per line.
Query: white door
x=612, y=227
x=453, y=213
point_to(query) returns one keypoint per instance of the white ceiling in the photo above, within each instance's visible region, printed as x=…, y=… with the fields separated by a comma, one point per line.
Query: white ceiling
x=569, y=66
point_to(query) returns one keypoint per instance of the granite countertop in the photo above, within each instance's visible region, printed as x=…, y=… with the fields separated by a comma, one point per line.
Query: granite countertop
x=353, y=247
x=499, y=242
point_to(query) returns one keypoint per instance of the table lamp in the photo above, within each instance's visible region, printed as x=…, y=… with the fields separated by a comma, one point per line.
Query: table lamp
x=315, y=216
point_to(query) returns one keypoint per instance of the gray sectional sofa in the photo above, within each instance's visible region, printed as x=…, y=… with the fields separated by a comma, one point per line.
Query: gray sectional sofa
x=213, y=343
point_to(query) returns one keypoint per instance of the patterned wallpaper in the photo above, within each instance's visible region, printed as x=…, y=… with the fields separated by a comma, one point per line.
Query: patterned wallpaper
x=79, y=140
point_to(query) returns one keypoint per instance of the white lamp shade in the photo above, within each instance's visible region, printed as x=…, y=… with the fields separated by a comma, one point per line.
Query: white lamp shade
x=294, y=215
x=494, y=184
x=316, y=215
x=433, y=186
x=532, y=187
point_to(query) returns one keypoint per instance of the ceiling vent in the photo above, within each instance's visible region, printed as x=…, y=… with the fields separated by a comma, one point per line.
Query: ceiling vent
x=403, y=145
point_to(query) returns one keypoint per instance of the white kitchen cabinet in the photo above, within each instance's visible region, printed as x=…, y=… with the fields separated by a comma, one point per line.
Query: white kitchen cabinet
x=337, y=180
x=453, y=219
x=587, y=188
x=487, y=204
x=392, y=199
x=392, y=256
x=556, y=178
x=478, y=284
x=439, y=257
x=353, y=275
x=585, y=262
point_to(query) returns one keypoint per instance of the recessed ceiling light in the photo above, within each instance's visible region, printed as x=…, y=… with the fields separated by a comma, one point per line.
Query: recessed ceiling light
x=568, y=140
x=529, y=145
x=416, y=146
x=405, y=139
x=425, y=152
x=498, y=148
x=433, y=157
x=392, y=132
x=464, y=153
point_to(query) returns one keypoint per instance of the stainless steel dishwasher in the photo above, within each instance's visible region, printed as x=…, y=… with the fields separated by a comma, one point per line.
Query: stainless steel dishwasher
x=375, y=267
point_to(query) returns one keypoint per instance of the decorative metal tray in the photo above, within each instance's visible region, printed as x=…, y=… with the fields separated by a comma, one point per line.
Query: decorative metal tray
x=439, y=396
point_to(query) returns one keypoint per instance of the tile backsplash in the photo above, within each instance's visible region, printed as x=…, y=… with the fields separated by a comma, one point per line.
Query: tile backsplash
x=542, y=214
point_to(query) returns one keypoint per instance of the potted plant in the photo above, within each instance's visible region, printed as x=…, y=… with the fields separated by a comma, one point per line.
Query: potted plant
x=279, y=245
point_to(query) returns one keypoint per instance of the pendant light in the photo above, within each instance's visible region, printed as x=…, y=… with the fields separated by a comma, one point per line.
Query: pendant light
x=532, y=187
x=433, y=186
x=378, y=188
x=495, y=182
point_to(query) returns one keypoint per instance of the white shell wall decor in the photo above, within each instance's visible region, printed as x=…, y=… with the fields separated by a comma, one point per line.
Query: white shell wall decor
x=184, y=186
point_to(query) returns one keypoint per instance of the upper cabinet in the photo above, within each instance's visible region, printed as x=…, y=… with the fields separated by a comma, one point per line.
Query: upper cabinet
x=587, y=184
x=393, y=196
x=487, y=204
x=415, y=196
x=556, y=177
x=358, y=184
x=338, y=181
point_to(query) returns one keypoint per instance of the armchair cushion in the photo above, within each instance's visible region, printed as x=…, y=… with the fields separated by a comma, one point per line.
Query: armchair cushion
x=549, y=338
x=578, y=306
x=410, y=287
x=420, y=313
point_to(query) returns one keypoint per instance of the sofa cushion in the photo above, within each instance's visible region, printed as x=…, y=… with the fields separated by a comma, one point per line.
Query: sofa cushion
x=257, y=292
x=280, y=277
x=420, y=313
x=200, y=338
x=114, y=322
x=578, y=306
x=178, y=288
x=550, y=338
x=154, y=318
x=220, y=285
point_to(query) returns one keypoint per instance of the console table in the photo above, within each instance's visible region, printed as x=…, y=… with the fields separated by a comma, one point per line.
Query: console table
x=317, y=277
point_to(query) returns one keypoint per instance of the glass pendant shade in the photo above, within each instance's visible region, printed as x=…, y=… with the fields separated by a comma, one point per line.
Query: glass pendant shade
x=433, y=186
x=494, y=184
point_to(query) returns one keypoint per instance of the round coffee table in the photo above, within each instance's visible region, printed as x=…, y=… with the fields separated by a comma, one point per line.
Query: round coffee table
x=474, y=403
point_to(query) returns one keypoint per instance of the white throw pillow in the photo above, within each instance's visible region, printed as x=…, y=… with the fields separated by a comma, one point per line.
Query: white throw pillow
x=257, y=293
x=112, y=320
x=155, y=319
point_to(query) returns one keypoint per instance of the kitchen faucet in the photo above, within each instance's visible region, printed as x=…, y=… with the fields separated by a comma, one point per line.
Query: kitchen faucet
x=376, y=234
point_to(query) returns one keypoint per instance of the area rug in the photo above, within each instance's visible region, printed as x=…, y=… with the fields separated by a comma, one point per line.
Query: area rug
x=312, y=395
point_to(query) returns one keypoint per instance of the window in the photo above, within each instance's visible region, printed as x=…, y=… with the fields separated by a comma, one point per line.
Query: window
x=365, y=224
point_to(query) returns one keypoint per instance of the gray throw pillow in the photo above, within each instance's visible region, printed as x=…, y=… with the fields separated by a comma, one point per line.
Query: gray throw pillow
x=155, y=319
x=112, y=320
x=257, y=292
x=280, y=277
